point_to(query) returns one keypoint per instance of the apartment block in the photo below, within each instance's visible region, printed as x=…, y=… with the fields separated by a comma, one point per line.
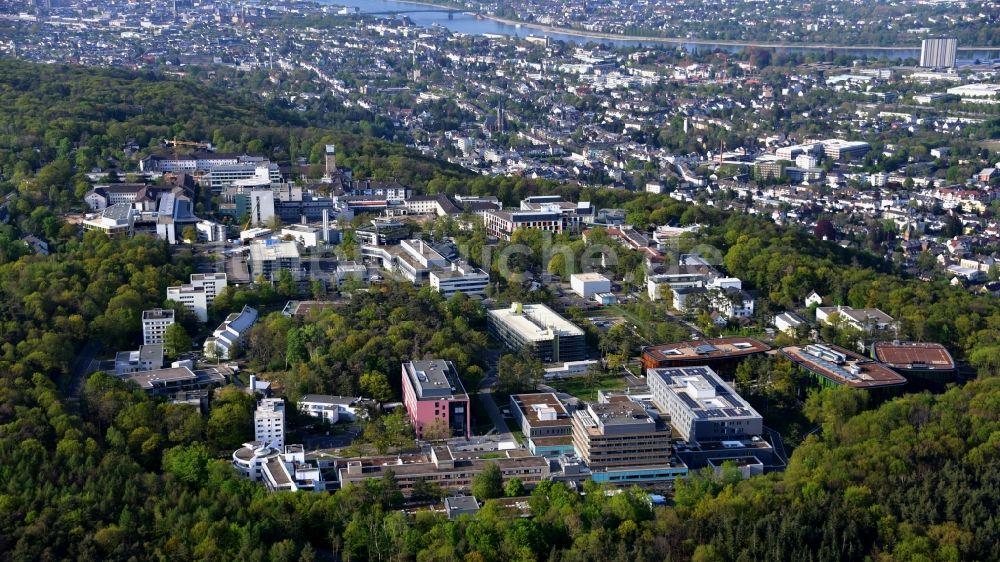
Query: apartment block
x=155, y=323
x=269, y=422
x=193, y=298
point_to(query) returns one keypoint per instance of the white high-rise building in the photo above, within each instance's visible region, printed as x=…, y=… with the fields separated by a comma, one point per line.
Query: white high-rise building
x=938, y=52
x=200, y=293
x=155, y=323
x=214, y=283
x=193, y=298
x=269, y=422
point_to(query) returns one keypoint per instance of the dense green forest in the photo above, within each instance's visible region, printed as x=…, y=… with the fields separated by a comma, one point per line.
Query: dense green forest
x=107, y=473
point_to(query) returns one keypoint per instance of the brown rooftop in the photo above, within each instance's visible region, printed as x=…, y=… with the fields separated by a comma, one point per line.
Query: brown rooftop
x=918, y=356
x=527, y=402
x=701, y=350
x=847, y=368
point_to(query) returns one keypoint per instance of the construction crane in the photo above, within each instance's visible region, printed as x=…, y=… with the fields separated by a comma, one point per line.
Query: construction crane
x=177, y=143
x=253, y=207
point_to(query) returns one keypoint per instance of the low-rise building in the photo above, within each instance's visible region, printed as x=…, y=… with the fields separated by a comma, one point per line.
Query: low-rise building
x=147, y=358
x=178, y=379
x=701, y=406
x=284, y=468
x=307, y=236
x=456, y=506
x=789, y=322
x=351, y=270
x=230, y=334
x=116, y=221
x=451, y=470
x=721, y=354
x=382, y=232
x=930, y=362
x=570, y=369
x=588, y=284
x=545, y=423
x=330, y=409
x=413, y=259
x=866, y=320
x=537, y=330
x=832, y=365
x=460, y=277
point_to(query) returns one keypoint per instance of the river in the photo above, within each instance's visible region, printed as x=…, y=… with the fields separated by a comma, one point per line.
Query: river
x=464, y=23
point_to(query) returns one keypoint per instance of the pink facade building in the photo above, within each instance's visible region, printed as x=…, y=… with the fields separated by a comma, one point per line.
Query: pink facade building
x=435, y=398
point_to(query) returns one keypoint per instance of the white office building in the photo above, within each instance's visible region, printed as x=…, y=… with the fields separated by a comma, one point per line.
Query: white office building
x=460, y=277
x=701, y=406
x=193, y=298
x=200, y=293
x=269, y=422
x=588, y=284
x=155, y=323
x=330, y=409
x=214, y=284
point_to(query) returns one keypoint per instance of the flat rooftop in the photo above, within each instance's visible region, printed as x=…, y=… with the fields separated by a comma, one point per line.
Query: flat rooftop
x=707, y=349
x=542, y=409
x=161, y=377
x=151, y=352
x=702, y=391
x=208, y=277
x=588, y=277
x=620, y=417
x=843, y=366
x=303, y=308
x=328, y=399
x=273, y=250
x=422, y=249
x=434, y=379
x=917, y=356
x=534, y=321
x=418, y=464
x=158, y=314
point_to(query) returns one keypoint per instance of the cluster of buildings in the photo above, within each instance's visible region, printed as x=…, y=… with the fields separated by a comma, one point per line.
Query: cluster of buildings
x=163, y=210
x=696, y=285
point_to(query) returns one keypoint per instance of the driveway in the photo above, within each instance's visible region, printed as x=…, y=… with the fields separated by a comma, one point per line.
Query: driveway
x=81, y=368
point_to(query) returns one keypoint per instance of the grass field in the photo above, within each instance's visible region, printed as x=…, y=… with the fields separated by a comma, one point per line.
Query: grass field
x=581, y=388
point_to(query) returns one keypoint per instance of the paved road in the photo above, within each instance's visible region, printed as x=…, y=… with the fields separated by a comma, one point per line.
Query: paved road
x=499, y=424
x=81, y=368
x=489, y=403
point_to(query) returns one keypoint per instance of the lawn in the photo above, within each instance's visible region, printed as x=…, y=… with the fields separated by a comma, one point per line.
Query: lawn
x=582, y=389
